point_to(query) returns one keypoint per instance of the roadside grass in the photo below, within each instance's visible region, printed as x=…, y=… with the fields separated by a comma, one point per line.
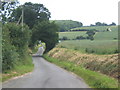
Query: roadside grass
x=0, y=77
x=105, y=64
x=19, y=69
x=93, y=79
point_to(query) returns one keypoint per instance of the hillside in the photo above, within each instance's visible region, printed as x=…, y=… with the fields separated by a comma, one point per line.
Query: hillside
x=67, y=24
x=99, y=28
x=105, y=42
x=101, y=33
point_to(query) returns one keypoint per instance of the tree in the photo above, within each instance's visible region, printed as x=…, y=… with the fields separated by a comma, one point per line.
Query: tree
x=98, y=24
x=92, y=25
x=91, y=34
x=6, y=10
x=33, y=13
x=80, y=37
x=113, y=24
x=46, y=32
x=104, y=24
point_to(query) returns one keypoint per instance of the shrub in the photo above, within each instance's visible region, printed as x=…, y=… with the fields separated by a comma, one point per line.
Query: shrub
x=90, y=34
x=18, y=37
x=64, y=38
x=9, y=57
x=14, y=44
x=80, y=37
x=115, y=38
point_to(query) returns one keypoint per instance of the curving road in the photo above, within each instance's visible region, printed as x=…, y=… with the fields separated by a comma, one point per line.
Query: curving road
x=46, y=75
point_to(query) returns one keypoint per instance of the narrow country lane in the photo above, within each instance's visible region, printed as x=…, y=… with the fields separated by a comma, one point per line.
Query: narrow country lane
x=46, y=75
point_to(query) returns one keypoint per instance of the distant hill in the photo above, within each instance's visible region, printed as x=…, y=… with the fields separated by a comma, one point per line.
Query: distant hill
x=66, y=25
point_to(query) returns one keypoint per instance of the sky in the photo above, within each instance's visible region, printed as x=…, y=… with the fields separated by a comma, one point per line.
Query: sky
x=85, y=11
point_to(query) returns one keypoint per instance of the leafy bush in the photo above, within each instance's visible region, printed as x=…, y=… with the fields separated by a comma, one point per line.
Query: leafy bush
x=64, y=38
x=14, y=44
x=115, y=38
x=10, y=56
x=90, y=34
x=18, y=37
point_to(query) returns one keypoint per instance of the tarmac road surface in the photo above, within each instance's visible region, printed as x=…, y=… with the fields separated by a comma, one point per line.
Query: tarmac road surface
x=46, y=75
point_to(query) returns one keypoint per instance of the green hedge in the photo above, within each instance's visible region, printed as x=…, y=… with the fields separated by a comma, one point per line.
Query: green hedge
x=14, y=44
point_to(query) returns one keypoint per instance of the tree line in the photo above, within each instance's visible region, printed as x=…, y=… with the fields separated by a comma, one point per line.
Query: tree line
x=103, y=24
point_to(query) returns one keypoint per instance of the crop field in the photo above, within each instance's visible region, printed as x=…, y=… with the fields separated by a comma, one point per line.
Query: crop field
x=98, y=36
x=87, y=46
x=103, y=43
x=113, y=35
x=72, y=35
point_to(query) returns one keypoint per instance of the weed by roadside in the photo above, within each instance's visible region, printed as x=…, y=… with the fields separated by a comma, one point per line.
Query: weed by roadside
x=19, y=69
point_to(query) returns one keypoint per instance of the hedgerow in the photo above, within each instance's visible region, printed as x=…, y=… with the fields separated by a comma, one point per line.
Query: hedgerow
x=14, y=44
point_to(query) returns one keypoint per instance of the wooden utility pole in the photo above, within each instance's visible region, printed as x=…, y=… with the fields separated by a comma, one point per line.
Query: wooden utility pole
x=22, y=17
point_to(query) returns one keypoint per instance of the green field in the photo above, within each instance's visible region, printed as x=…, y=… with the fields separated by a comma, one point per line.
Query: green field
x=87, y=46
x=98, y=36
x=96, y=27
x=106, y=35
x=103, y=43
x=72, y=35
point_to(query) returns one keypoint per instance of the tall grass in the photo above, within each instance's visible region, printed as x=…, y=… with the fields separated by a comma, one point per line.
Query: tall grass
x=93, y=79
x=19, y=69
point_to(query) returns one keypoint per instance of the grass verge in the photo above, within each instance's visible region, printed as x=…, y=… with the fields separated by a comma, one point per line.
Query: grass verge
x=93, y=79
x=19, y=69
